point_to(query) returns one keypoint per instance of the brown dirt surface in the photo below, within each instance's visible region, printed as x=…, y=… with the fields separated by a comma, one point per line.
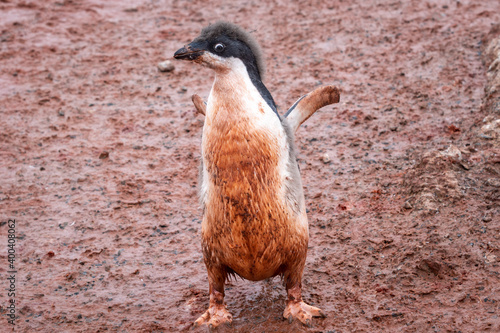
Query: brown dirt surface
x=100, y=154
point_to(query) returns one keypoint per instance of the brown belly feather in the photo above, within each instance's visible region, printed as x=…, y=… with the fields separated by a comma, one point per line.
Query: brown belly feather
x=247, y=225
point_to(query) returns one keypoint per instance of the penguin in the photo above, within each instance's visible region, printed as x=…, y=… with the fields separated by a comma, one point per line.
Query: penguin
x=254, y=216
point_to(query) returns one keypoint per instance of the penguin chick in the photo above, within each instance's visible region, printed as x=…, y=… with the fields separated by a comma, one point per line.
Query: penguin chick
x=254, y=216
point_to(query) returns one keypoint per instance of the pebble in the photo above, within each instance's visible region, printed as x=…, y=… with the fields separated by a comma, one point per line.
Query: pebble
x=407, y=205
x=325, y=158
x=465, y=165
x=166, y=66
x=495, y=182
x=487, y=218
x=490, y=258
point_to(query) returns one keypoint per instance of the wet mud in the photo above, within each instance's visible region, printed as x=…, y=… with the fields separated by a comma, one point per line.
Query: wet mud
x=100, y=153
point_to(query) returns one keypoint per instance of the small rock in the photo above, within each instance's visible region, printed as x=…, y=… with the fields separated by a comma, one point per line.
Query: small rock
x=325, y=158
x=490, y=258
x=453, y=129
x=484, y=136
x=464, y=165
x=491, y=130
x=453, y=152
x=104, y=155
x=487, y=218
x=166, y=66
x=495, y=182
x=430, y=266
x=317, y=195
x=407, y=205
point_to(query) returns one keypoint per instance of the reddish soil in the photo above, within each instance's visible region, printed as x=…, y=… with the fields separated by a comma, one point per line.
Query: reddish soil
x=100, y=153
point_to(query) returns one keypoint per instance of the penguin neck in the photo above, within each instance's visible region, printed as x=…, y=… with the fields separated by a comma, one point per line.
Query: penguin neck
x=240, y=80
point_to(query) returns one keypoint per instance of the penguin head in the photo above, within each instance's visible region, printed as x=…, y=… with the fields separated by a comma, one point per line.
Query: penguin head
x=220, y=45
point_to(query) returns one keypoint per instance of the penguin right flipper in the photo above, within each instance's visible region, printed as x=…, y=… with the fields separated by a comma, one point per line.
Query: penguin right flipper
x=200, y=106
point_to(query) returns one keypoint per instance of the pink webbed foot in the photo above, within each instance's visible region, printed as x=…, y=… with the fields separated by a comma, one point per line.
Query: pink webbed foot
x=216, y=314
x=297, y=309
x=302, y=311
x=213, y=317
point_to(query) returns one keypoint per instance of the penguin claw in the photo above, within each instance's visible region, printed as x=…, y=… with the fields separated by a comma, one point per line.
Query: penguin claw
x=213, y=317
x=303, y=312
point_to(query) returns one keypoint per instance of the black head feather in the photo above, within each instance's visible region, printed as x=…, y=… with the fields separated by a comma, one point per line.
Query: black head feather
x=227, y=40
x=222, y=29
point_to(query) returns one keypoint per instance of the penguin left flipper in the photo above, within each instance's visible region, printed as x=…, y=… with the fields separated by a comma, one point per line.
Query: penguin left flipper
x=310, y=103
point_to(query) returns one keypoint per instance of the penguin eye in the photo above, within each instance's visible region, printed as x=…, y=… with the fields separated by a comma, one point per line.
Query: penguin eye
x=219, y=47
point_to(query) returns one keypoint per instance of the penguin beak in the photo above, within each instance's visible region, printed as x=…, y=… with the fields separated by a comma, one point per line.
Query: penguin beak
x=189, y=52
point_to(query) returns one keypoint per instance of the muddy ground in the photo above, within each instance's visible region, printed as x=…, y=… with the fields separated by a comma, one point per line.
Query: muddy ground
x=100, y=152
